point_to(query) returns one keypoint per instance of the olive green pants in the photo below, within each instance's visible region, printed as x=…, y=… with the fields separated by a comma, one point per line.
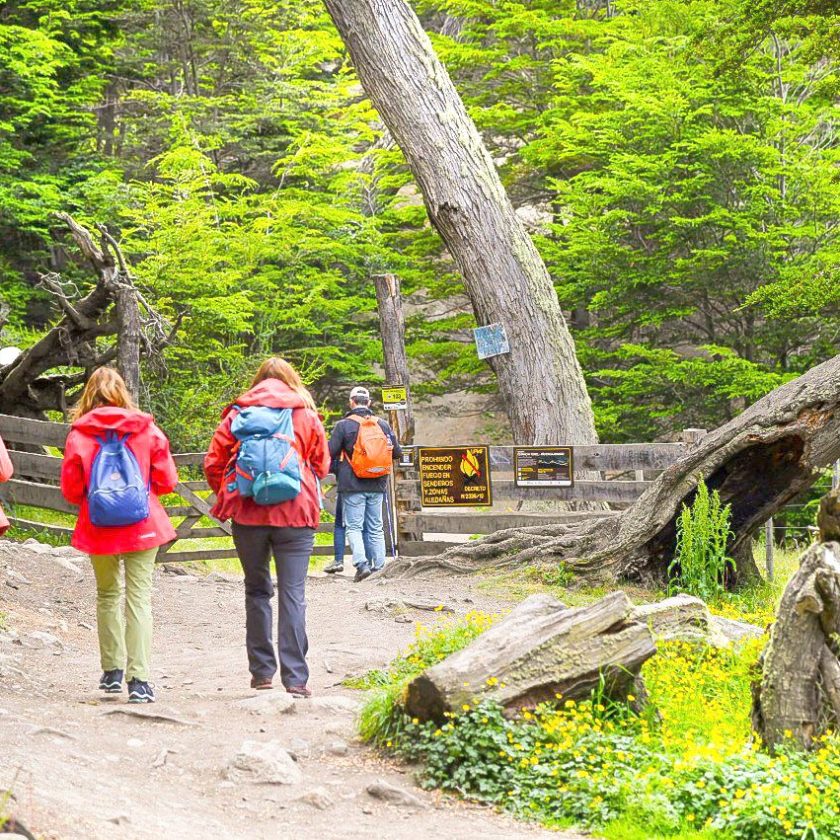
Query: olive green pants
x=125, y=644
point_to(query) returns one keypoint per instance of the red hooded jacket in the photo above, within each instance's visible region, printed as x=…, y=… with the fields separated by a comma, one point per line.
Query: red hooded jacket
x=6, y=472
x=304, y=511
x=151, y=448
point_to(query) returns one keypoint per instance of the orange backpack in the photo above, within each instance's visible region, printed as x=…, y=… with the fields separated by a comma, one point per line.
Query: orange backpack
x=373, y=451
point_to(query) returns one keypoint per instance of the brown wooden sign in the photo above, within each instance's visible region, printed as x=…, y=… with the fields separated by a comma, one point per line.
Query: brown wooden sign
x=457, y=476
x=543, y=466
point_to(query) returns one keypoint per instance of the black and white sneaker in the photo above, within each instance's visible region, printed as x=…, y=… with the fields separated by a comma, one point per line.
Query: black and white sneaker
x=111, y=681
x=334, y=568
x=140, y=692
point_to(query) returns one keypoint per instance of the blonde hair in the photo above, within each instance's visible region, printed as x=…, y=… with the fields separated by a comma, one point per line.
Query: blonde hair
x=277, y=368
x=105, y=387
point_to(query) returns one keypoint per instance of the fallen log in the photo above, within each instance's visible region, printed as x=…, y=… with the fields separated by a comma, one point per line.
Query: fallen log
x=798, y=695
x=688, y=619
x=758, y=462
x=538, y=651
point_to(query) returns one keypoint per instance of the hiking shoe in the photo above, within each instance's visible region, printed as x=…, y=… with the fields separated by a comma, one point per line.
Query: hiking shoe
x=140, y=692
x=298, y=691
x=334, y=567
x=261, y=683
x=362, y=572
x=111, y=681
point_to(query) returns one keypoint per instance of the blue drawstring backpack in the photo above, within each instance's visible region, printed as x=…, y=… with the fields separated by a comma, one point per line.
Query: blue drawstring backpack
x=267, y=465
x=117, y=492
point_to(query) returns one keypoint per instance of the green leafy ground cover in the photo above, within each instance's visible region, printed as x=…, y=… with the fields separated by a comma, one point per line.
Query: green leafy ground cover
x=688, y=766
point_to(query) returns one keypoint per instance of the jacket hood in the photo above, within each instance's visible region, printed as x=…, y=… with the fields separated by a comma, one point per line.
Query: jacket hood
x=271, y=393
x=110, y=418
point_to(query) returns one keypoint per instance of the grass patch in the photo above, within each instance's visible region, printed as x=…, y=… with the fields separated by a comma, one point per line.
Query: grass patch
x=379, y=722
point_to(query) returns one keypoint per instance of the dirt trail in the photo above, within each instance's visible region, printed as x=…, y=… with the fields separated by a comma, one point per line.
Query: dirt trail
x=78, y=770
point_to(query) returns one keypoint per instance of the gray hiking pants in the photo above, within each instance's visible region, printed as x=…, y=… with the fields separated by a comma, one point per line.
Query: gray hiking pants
x=292, y=548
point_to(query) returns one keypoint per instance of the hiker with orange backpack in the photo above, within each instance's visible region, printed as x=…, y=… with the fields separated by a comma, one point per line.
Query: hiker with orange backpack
x=363, y=448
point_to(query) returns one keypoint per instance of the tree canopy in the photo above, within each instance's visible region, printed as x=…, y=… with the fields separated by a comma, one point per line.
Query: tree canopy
x=675, y=160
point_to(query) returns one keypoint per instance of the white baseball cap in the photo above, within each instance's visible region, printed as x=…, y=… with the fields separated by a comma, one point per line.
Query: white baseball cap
x=360, y=393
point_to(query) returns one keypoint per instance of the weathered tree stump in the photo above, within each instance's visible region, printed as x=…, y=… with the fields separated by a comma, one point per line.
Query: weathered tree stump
x=758, y=462
x=798, y=695
x=828, y=518
x=538, y=651
x=111, y=308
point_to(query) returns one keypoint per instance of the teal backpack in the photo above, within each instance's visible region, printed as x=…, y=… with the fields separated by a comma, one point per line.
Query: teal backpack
x=267, y=464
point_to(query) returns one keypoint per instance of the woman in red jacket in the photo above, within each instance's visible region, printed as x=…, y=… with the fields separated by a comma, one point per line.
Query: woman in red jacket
x=286, y=528
x=6, y=472
x=106, y=417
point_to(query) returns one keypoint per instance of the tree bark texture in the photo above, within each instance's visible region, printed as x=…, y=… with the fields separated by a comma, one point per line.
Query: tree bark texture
x=392, y=330
x=758, y=462
x=798, y=696
x=828, y=518
x=538, y=651
x=540, y=380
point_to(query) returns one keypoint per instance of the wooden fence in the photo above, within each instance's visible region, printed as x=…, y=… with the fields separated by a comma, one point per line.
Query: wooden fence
x=34, y=447
x=615, y=474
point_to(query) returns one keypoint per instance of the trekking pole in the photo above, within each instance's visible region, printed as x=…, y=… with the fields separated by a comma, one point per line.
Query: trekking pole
x=389, y=515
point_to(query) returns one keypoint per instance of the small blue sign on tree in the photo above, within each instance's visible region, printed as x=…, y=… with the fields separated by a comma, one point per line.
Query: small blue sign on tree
x=491, y=340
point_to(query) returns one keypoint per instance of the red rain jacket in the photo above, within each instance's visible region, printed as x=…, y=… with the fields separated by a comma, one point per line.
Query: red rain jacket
x=6, y=472
x=151, y=448
x=304, y=511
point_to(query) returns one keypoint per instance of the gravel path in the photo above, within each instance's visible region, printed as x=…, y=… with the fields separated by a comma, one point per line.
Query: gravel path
x=211, y=759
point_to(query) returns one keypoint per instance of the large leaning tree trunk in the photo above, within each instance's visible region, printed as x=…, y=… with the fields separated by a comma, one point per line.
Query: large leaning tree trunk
x=758, y=462
x=798, y=695
x=540, y=379
x=112, y=308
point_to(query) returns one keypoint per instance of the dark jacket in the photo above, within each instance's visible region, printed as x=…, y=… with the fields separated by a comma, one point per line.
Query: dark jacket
x=343, y=439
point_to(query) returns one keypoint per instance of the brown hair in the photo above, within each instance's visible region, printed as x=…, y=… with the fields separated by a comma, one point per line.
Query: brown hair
x=277, y=368
x=105, y=387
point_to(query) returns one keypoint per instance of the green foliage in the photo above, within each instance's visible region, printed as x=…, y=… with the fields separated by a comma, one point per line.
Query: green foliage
x=682, y=158
x=378, y=722
x=685, y=768
x=700, y=563
x=679, y=157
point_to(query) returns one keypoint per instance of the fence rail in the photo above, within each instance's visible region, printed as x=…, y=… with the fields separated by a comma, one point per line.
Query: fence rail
x=613, y=474
x=37, y=474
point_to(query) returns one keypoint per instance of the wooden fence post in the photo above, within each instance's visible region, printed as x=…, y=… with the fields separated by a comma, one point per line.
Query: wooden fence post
x=692, y=436
x=392, y=330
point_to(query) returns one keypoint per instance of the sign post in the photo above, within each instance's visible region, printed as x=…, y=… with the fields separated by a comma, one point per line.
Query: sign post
x=455, y=476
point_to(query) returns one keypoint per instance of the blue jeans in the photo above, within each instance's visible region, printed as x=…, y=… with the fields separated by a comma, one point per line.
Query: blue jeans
x=340, y=534
x=363, y=513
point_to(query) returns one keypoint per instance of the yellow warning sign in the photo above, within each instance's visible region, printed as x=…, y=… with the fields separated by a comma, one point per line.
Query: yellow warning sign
x=395, y=398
